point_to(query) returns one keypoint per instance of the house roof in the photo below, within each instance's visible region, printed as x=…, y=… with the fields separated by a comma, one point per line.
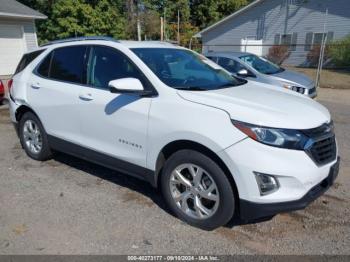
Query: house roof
x=12, y=8
x=240, y=11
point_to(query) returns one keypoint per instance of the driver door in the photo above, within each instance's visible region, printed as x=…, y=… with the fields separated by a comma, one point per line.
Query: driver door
x=114, y=124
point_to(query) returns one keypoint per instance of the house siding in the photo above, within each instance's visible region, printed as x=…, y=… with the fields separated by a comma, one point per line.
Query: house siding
x=268, y=18
x=28, y=28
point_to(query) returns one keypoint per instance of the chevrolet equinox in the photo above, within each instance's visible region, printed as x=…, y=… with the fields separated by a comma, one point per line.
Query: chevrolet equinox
x=217, y=146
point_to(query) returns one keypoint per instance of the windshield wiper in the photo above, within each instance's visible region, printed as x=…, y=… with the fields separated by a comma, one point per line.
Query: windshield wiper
x=192, y=88
x=241, y=82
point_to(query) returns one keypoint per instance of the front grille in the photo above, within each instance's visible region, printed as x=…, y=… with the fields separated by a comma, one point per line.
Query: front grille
x=322, y=145
x=312, y=90
x=324, y=151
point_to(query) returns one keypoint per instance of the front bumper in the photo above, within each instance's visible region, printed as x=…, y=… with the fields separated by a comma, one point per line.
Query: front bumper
x=250, y=210
x=298, y=176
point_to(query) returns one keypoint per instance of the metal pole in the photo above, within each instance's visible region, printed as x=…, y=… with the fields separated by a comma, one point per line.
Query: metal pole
x=178, y=27
x=161, y=29
x=138, y=22
x=164, y=24
x=322, y=49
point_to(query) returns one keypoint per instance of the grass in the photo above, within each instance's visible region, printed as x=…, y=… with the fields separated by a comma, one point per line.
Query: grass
x=338, y=79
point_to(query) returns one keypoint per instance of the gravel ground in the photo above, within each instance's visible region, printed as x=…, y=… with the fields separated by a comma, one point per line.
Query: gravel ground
x=70, y=206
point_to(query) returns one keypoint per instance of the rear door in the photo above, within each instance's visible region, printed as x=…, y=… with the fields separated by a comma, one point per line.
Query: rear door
x=55, y=89
x=114, y=124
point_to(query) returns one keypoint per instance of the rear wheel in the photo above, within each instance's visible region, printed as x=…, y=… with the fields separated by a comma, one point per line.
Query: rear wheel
x=197, y=190
x=33, y=137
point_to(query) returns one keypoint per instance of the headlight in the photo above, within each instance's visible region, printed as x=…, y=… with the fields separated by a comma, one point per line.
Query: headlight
x=284, y=138
x=298, y=89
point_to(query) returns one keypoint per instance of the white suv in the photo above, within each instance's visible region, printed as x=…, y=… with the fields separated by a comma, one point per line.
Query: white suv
x=217, y=146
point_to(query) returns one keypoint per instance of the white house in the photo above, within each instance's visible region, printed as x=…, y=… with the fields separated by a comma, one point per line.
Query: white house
x=17, y=33
x=299, y=24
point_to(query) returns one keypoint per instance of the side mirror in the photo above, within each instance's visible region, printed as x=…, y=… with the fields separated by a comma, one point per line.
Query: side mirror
x=126, y=85
x=243, y=73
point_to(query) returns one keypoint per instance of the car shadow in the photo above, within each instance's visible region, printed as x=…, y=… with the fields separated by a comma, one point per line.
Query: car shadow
x=118, y=178
x=132, y=183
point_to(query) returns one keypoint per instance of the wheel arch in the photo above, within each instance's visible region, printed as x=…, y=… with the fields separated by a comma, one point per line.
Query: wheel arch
x=20, y=111
x=177, y=145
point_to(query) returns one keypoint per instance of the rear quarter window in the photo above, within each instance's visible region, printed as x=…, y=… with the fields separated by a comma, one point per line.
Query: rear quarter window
x=27, y=59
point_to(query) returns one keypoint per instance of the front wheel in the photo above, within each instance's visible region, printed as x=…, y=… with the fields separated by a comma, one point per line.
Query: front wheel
x=197, y=190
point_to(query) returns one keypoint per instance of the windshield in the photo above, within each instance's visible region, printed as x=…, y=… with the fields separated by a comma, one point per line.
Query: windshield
x=261, y=65
x=185, y=70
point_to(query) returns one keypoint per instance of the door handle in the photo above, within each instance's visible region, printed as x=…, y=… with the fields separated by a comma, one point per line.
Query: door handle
x=35, y=86
x=86, y=97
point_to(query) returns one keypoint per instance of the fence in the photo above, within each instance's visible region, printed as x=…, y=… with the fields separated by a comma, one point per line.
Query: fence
x=335, y=71
x=336, y=56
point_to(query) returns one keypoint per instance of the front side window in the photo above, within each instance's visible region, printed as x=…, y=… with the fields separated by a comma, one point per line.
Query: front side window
x=230, y=64
x=106, y=64
x=261, y=65
x=68, y=64
x=185, y=70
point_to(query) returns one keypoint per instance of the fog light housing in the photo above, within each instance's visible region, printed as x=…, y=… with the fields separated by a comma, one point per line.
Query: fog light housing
x=267, y=183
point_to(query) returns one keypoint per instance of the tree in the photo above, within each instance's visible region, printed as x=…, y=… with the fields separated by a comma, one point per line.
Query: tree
x=118, y=18
x=70, y=18
x=207, y=12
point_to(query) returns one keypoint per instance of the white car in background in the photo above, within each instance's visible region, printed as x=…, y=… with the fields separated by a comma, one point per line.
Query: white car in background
x=258, y=69
x=216, y=146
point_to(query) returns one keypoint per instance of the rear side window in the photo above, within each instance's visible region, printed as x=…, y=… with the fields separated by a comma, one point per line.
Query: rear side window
x=27, y=59
x=68, y=64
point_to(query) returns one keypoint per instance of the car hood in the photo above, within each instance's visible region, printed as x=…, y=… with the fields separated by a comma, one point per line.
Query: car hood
x=264, y=105
x=294, y=78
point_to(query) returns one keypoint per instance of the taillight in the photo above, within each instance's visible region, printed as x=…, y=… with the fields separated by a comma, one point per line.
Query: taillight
x=2, y=88
x=9, y=84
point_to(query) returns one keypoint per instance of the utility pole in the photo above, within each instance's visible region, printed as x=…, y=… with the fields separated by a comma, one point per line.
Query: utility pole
x=138, y=21
x=178, y=27
x=138, y=29
x=164, y=24
x=161, y=29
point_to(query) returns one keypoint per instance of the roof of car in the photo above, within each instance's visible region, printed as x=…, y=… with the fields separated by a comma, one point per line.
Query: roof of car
x=227, y=54
x=126, y=43
x=146, y=44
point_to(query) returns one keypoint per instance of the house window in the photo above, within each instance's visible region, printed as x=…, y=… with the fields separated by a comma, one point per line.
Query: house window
x=315, y=39
x=287, y=39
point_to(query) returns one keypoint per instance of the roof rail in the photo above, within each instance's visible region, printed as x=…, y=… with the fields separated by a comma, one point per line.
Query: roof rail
x=81, y=38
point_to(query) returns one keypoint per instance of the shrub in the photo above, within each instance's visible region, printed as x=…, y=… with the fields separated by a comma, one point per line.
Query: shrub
x=340, y=52
x=278, y=54
x=313, y=56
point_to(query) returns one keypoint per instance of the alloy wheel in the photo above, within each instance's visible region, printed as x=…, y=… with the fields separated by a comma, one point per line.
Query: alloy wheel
x=194, y=191
x=32, y=137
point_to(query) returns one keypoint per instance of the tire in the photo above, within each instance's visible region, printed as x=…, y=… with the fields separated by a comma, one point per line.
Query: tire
x=220, y=202
x=41, y=153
